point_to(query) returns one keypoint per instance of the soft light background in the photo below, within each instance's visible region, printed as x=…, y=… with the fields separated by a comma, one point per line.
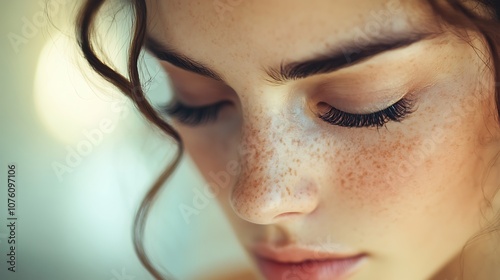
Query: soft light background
x=75, y=223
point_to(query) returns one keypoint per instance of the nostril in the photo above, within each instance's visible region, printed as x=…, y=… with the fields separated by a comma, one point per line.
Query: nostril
x=287, y=215
x=258, y=199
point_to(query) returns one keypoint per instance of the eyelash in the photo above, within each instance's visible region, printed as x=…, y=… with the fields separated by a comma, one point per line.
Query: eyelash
x=396, y=112
x=195, y=116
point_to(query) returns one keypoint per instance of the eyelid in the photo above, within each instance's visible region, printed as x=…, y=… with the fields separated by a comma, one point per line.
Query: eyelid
x=359, y=97
x=395, y=112
x=192, y=115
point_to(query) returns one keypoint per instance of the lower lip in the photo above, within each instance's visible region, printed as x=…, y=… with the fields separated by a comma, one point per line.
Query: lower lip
x=334, y=269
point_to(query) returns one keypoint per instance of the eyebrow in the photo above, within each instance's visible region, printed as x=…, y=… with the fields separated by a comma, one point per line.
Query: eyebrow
x=175, y=58
x=343, y=57
x=328, y=62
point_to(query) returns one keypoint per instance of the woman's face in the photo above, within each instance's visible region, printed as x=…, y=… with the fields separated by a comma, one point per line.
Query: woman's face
x=395, y=184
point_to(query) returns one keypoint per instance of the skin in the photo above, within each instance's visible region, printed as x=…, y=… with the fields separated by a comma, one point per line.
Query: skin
x=409, y=194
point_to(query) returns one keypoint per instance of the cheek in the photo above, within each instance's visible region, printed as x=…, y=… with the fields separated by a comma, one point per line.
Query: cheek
x=399, y=175
x=408, y=183
x=431, y=163
x=375, y=178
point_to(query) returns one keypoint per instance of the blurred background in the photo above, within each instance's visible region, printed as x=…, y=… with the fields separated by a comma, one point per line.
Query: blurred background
x=84, y=159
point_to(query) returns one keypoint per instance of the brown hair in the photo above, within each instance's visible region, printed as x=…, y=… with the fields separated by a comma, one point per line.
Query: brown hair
x=132, y=88
x=453, y=12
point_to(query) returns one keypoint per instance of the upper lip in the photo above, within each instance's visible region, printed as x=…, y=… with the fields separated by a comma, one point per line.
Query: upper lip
x=298, y=253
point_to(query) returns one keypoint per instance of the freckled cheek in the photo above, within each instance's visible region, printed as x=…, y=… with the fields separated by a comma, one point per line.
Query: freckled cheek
x=376, y=177
x=364, y=183
x=407, y=173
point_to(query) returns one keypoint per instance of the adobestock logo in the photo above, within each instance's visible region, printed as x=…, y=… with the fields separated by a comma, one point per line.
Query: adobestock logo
x=201, y=199
x=453, y=115
x=92, y=138
x=379, y=21
x=222, y=7
x=30, y=27
x=122, y=275
x=218, y=181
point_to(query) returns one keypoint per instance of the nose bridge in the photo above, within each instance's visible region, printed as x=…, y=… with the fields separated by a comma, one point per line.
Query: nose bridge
x=272, y=182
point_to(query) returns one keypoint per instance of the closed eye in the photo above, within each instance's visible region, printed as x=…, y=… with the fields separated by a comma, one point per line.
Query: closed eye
x=201, y=115
x=193, y=115
x=396, y=112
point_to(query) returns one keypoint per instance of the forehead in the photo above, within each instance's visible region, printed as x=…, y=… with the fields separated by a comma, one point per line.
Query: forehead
x=257, y=33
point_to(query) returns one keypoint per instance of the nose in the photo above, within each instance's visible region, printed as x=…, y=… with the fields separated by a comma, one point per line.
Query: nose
x=274, y=183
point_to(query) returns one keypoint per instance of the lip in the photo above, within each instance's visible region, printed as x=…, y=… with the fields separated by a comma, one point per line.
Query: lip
x=299, y=263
